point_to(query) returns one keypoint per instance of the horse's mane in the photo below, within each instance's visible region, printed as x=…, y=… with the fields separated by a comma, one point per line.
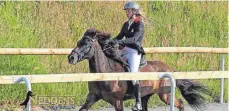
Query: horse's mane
x=96, y=34
x=113, y=56
x=109, y=50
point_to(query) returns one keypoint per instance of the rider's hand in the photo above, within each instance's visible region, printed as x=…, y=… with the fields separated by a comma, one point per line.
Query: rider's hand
x=112, y=42
x=116, y=43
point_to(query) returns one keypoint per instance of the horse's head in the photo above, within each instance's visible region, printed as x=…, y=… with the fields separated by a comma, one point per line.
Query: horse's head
x=86, y=47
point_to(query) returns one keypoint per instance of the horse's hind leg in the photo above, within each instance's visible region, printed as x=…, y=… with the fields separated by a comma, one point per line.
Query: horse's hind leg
x=145, y=100
x=166, y=99
x=91, y=99
x=118, y=105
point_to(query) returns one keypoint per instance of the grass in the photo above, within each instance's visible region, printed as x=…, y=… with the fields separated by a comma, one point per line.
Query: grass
x=61, y=24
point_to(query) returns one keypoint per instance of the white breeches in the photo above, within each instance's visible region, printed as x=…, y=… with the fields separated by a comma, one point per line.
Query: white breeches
x=133, y=60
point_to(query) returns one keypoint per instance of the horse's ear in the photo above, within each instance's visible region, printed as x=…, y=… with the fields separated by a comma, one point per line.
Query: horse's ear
x=108, y=36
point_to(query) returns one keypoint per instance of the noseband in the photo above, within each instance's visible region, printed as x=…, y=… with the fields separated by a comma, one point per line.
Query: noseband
x=81, y=55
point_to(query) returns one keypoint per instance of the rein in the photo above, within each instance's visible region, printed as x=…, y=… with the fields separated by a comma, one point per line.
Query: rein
x=108, y=48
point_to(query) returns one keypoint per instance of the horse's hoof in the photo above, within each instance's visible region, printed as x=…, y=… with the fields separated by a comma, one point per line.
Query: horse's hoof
x=137, y=108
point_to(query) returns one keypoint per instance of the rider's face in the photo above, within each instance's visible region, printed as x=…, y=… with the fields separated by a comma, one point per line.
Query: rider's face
x=129, y=12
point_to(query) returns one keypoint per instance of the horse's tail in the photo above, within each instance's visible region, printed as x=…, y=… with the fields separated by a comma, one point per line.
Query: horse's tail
x=193, y=93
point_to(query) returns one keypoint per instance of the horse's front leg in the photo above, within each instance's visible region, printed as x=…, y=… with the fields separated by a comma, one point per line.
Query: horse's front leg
x=91, y=99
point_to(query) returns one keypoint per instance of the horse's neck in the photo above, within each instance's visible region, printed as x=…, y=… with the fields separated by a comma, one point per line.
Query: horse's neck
x=97, y=62
x=101, y=64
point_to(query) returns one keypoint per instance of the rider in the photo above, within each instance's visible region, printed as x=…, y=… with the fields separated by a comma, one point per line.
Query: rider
x=133, y=30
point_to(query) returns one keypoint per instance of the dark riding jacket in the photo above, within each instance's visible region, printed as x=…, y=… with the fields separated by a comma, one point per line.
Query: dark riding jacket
x=134, y=35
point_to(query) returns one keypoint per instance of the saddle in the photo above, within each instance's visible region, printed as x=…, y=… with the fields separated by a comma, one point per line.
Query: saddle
x=115, y=53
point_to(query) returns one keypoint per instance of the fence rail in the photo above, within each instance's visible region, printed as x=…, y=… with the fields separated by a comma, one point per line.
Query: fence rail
x=64, y=51
x=51, y=78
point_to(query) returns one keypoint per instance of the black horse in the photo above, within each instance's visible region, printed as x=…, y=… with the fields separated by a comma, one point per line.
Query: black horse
x=114, y=92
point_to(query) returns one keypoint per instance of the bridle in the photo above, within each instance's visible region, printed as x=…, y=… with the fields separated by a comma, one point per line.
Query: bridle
x=92, y=41
x=81, y=55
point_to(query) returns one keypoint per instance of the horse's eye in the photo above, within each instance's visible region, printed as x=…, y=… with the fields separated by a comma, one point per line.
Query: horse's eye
x=80, y=43
x=87, y=41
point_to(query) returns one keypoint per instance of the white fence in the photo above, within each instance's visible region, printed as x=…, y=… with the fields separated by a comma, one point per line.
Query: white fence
x=52, y=78
x=63, y=51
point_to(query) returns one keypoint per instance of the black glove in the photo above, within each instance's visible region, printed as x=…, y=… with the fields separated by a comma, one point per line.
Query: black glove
x=114, y=42
x=121, y=43
x=111, y=42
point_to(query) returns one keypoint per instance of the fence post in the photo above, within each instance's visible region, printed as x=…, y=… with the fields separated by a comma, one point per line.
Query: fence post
x=28, y=88
x=222, y=80
x=173, y=85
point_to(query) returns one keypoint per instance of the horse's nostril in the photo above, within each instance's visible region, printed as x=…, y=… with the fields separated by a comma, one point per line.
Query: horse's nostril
x=71, y=58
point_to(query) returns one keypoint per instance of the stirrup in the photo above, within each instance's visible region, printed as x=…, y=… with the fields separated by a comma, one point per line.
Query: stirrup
x=137, y=107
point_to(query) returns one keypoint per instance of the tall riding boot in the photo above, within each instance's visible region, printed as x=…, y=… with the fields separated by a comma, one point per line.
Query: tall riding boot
x=137, y=94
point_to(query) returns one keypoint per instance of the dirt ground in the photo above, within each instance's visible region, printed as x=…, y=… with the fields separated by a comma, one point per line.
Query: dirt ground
x=209, y=107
